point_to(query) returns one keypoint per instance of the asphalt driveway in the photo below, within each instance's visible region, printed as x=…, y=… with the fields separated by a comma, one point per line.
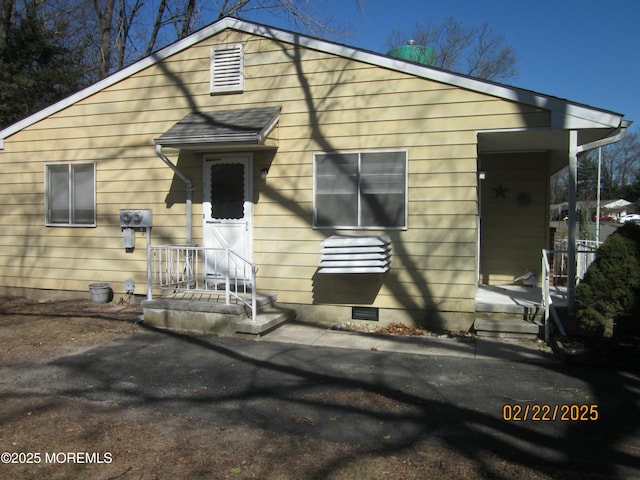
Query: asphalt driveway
x=384, y=399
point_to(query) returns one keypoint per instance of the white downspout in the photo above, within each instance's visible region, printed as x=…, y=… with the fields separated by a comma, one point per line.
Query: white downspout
x=574, y=151
x=189, y=190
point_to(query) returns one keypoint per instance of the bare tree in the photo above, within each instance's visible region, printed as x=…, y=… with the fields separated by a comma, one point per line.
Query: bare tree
x=104, y=13
x=471, y=50
x=621, y=163
x=619, y=173
x=188, y=18
x=126, y=16
x=153, y=37
x=114, y=33
x=307, y=14
x=124, y=36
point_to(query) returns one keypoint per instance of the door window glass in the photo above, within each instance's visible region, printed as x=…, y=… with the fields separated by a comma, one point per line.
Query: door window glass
x=227, y=191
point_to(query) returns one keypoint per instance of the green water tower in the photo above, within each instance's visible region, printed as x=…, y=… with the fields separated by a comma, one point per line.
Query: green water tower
x=414, y=53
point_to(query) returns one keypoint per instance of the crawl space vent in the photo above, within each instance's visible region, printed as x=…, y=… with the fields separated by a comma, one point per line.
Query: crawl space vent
x=364, y=313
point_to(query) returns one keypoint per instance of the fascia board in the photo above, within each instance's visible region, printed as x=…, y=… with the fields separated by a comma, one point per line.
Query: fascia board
x=193, y=140
x=262, y=135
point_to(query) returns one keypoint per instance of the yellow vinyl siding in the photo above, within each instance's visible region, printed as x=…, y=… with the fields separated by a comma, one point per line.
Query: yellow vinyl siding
x=354, y=106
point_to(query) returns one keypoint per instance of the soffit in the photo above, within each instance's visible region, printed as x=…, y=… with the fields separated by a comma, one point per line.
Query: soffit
x=554, y=141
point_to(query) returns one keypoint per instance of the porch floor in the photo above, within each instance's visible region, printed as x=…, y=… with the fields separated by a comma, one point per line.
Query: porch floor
x=217, y=297
x=504, y=298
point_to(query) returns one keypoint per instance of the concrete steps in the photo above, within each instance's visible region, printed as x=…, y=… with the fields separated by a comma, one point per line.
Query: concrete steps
x=500, y=320
x=206, y=312
x=506, y=328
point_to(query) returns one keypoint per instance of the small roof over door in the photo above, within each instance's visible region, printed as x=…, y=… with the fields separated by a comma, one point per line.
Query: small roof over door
x=224, y=128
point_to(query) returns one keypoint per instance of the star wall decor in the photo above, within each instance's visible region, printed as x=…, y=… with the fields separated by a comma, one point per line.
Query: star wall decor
x=500, y=191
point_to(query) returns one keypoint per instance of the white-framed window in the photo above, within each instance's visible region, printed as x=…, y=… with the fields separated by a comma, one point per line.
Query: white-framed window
x=227, y=68
x=365, y=190
x=70, y=194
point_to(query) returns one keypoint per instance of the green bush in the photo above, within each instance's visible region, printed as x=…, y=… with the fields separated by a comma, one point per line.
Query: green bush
x=610, y=288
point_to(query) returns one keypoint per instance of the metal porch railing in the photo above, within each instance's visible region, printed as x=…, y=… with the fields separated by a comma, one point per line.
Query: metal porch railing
x=554, y=267
x=191, y=268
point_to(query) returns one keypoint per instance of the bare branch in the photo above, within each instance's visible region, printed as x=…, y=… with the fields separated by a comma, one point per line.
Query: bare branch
x=476, y=51
x=153, y=37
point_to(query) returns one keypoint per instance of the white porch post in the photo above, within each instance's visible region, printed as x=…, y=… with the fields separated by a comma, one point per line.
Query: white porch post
x=571, y=241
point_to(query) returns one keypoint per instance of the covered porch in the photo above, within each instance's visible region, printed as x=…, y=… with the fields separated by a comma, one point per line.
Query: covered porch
x=514, y=222
x=528, y=310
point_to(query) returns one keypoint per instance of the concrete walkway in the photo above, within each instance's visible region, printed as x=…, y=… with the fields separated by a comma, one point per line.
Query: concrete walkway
x=449, y=346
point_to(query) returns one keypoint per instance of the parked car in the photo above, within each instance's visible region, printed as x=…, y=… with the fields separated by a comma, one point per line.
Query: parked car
x=603, y=218
x=631, y=216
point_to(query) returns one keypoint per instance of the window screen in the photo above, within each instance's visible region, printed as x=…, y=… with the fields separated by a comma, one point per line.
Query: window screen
x=70, y=194
x=360, y=190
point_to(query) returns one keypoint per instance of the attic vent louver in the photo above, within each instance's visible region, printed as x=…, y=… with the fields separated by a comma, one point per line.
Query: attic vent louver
x=227, y=68
x=356, y=254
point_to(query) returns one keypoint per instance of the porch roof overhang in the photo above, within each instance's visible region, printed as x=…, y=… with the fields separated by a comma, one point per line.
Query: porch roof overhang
x=555, y=141
x=252, y=128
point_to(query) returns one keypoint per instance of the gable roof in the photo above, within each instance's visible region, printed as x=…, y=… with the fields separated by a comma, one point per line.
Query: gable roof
x=564, y=113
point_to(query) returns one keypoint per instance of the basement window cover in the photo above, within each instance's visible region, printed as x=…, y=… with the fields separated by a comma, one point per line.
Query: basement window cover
x=356, y=254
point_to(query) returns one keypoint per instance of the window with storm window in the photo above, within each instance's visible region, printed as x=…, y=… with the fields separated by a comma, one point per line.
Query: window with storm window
x=70, y=198
x=365, y=190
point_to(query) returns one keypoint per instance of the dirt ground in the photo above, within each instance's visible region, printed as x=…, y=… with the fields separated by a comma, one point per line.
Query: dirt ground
x=55, y=437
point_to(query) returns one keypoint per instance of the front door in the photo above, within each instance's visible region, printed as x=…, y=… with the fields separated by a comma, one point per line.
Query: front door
x=227, y=216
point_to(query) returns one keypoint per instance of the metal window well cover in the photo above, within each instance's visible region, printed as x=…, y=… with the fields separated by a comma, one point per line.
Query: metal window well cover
x=356, y=254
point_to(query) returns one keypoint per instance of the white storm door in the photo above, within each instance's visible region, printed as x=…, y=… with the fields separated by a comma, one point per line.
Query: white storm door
x=227, y=215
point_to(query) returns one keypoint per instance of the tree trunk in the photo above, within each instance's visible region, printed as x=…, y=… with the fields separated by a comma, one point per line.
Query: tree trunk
x=156, y=27
x=188, y=17
x=105, y=19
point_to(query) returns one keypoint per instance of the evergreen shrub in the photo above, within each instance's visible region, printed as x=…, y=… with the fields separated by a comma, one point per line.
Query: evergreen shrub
x=610, y=289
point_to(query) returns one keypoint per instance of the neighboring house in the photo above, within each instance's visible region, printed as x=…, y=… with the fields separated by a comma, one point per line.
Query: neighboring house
x=615, y=208
x=274, y=142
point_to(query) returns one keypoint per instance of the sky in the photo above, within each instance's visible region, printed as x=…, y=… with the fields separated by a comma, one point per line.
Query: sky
x=586, y=51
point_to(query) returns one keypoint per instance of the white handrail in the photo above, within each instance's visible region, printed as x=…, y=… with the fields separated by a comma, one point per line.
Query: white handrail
x=585, y=255
x=191, y=268
x=547, y=300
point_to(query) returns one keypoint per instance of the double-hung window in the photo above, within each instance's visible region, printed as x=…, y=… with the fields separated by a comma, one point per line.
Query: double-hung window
x=360, y=190
x=70, y=197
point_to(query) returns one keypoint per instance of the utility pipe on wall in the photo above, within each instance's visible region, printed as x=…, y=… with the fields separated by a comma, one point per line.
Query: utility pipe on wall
x=189, y=190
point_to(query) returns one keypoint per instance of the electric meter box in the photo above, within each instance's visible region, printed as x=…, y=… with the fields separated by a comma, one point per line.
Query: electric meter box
x=138, y=220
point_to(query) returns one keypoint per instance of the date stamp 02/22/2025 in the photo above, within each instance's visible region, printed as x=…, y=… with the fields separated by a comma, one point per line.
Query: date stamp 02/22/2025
x=550, y=413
